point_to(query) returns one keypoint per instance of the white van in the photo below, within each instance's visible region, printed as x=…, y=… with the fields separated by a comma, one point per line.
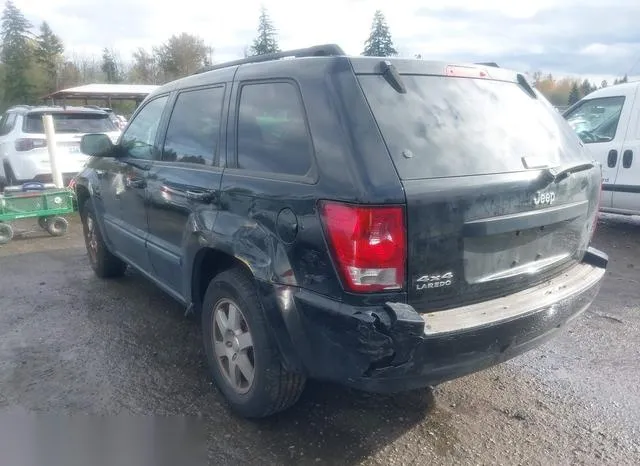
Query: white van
x=608, y=122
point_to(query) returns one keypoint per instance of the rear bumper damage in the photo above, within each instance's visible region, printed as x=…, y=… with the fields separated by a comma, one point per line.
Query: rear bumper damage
x=394, y=348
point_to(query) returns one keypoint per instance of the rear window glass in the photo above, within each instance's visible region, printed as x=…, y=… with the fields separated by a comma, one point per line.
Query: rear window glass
x=447, y=126
x=71, y=123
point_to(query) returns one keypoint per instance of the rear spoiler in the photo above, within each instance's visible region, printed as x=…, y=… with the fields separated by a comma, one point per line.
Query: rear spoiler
x=495, y=65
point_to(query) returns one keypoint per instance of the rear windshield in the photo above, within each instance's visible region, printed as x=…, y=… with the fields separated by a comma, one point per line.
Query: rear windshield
x=445, y=126
x=71, y=123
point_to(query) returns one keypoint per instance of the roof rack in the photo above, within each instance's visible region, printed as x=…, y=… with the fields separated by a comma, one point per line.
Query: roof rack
x=326, y=50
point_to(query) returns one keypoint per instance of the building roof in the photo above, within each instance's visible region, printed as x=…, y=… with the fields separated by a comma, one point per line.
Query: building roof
x=23, y=109
x=105, y=91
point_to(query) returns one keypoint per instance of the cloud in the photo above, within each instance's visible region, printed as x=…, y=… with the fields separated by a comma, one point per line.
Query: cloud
x=585, y=37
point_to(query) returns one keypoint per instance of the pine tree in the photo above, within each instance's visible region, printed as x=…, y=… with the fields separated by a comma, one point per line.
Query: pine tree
x=574, y=95
x=110, y=67
x=379, y=43
x=16, y=54
x=48, y=53
x=586, y=88
x=267, y=40
x=621, y=80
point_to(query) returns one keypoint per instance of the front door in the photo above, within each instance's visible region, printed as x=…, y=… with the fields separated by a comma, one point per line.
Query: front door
x=136, y=150
x=601, y=123
x=184, y=183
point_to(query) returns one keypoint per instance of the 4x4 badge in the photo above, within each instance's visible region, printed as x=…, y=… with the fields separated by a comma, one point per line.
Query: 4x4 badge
x=434, y=281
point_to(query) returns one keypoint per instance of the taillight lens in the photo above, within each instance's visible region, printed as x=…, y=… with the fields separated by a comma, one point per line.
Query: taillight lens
x=368, y=245
x=466, y=72
x=25, y=144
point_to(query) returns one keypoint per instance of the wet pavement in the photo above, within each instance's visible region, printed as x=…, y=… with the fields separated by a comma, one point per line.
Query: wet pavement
x=71, y=343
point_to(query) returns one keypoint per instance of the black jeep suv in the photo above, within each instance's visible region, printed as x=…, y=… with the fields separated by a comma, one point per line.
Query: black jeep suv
x=385, y=224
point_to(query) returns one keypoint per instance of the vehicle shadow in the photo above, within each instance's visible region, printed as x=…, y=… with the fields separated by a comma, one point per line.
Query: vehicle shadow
x=130, y=350
x=330, y=424
x=335, y=425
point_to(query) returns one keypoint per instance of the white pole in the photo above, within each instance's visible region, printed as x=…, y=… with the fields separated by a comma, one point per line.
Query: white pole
x=50, y=132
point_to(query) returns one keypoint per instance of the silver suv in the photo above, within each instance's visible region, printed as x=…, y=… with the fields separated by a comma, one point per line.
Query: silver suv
x=23, y=146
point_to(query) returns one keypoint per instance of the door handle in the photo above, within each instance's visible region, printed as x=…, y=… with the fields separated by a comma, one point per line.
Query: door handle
x=627, y=158
x=612, y=158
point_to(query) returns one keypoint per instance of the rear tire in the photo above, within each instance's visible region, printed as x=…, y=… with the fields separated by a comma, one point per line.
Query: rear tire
x=272, y=388
x=42, y=222
x=57, y=226
x=103, y=263
x=6, y=233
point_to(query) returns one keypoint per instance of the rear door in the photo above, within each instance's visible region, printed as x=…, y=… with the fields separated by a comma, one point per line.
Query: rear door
x=486, y=213
x=626, y=191
x=184, y=183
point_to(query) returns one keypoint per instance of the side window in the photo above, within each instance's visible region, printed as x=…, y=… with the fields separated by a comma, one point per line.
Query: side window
x=272, y=131
x=3, y=124
x=139, y=138
x=7, y=123
x=194, y=127
x=596, y=120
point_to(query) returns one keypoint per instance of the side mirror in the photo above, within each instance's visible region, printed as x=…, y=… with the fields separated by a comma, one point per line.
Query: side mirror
x=97, y=145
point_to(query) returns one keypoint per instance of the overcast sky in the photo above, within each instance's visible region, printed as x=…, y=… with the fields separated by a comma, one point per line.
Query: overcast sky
x=568, y=37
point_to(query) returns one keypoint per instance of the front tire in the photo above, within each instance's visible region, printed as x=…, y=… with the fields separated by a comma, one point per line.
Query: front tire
x=244, y=360
x=103, y=263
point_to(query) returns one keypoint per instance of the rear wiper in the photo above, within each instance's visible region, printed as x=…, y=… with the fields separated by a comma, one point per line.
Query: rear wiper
x=558, y=174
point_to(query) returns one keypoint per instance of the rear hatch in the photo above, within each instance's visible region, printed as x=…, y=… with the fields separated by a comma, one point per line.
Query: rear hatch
x=501, y=194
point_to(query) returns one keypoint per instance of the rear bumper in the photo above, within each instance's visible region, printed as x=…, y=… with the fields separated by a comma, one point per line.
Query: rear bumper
x=48, y=178
x=394, y=348
x=35, y=164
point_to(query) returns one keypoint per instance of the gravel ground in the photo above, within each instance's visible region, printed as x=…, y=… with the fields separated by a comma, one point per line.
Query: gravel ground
x=71, y=343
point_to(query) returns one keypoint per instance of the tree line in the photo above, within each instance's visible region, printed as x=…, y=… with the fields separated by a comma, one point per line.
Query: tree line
x=567, y=91
x=33, y=61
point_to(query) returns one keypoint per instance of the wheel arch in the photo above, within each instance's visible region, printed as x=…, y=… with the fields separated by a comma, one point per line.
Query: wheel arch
x=208, y=263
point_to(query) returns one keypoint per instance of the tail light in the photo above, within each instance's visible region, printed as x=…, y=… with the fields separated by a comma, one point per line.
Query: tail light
x=459, y=71
x=25, y=144
x=368, y=245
